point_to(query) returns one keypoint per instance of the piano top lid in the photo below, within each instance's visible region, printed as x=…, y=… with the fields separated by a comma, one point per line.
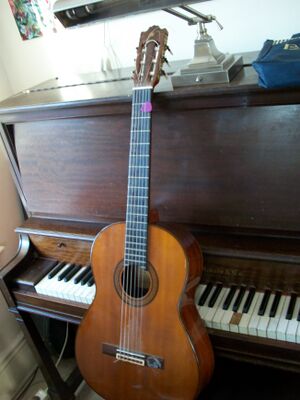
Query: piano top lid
x=116, y=86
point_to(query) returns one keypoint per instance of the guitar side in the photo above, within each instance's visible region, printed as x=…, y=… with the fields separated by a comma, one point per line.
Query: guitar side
x=166, y=327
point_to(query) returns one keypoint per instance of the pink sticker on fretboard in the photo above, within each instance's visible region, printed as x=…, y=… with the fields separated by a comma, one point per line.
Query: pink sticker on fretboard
x=146, y=107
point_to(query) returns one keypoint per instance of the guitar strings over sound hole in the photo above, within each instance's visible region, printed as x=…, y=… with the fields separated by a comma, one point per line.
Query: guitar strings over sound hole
x=135, y=281
x=136, y=286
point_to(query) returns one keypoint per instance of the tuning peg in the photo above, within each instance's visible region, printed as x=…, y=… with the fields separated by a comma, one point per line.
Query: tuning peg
x=163, y=73
x=168, y=49
x=165, y=60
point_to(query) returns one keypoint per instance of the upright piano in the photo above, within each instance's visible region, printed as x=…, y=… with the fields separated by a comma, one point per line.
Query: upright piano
x=225, y=166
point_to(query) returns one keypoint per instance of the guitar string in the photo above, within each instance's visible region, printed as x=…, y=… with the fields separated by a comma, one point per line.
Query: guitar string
x=135, y=194
x=141, y=185
x=146, y=184
x=124, y=306
x=132, y=201
x=137, y=159
x=139, y=201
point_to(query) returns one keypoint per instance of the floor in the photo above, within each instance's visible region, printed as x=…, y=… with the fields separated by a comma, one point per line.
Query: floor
x=231, y=381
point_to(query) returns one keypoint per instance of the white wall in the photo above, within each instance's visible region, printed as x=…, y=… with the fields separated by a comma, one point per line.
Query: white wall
x=5, y=88
x=16, y=360
x=246, y=25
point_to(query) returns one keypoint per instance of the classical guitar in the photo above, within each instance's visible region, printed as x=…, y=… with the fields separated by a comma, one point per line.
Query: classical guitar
x=142, y=338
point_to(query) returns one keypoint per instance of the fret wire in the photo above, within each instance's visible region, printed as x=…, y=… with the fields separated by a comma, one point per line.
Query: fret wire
x=139, y=214
x=138, y=230
x=134, y=166
x=142, y=250
x=138, y=177
x=137, y=193
x=142, y=257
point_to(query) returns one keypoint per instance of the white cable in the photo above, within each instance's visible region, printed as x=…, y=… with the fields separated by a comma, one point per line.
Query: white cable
x=64, y=346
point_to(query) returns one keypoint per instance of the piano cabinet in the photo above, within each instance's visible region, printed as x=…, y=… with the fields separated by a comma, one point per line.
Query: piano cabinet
x=224, y=166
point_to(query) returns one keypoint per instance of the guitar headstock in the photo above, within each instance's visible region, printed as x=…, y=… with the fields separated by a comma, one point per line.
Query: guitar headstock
x=150, y=57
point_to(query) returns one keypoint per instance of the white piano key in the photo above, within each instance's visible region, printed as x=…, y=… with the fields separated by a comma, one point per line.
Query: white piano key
x=298, y=333
x=293, y=324
x=91, y=295
x=78, y=288
x=69, y=286
x=45, y=285
x=283, y=322
x=228, y=313
x=56, y=289
x=75, y=286
x=80, y=293
x=265, y=319
x=203, y=309
x=244, y=323
x=84, y=295
x=234, y=327
x=273, y=323
x=200, y=289
x=212, y=310
x=217, y=318
x=252, y=327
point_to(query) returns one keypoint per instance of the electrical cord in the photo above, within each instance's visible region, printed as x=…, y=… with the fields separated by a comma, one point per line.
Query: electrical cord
x=64, y=346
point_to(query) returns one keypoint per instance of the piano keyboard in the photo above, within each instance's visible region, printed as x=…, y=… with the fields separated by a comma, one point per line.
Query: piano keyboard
x=250, y=312
x=69, y=282
x=235, y=309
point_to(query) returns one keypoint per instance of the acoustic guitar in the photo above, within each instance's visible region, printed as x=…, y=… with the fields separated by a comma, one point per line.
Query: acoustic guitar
x=142, y=337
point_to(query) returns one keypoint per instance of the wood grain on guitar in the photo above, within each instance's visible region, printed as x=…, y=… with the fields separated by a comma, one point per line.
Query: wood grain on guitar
x=142, y=338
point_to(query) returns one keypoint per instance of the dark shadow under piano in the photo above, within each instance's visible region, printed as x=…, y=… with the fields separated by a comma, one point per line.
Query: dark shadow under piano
x=235, y=380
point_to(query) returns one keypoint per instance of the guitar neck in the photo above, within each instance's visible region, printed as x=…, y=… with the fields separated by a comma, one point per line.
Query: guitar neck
x=138, y=179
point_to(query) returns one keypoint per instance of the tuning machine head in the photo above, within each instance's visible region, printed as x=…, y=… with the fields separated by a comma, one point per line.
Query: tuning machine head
x=167, y=48
x=164, y=74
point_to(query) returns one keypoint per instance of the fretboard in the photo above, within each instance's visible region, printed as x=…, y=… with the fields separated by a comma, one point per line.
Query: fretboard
x=138, y=179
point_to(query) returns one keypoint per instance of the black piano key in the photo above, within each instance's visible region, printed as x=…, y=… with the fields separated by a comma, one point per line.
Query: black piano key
x=275, y=304
x=82, y=275
x=86, y=278
x=290, y=310
x=249, y=300
x=72, y=272
x=239, y=299
x=205, y=294
x=91, y=281
x=298, y=318
x=56, y=269
x=229, y=297
x=215, y=295
x=264, y=302
x=65, y=272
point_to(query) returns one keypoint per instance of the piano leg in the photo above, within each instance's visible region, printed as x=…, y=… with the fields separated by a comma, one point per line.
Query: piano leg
x=58, y=389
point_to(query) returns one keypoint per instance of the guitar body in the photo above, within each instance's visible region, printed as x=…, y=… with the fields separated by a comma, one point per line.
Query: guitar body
x=162, y=325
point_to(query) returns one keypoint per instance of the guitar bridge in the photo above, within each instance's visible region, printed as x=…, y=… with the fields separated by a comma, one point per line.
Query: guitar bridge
x=132, y=358
x=141, y=359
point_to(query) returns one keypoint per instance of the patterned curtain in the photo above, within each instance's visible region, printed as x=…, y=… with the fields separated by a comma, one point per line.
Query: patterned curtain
x=33, y=17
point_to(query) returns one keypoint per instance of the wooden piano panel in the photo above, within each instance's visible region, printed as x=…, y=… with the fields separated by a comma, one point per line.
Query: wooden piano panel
x=236, y=167
x=62, y=249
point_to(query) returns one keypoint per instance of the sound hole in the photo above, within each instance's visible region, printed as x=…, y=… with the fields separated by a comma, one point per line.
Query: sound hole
x=135, y=281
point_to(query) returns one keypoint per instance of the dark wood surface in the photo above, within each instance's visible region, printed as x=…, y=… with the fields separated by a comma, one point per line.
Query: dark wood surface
x=240, y=176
